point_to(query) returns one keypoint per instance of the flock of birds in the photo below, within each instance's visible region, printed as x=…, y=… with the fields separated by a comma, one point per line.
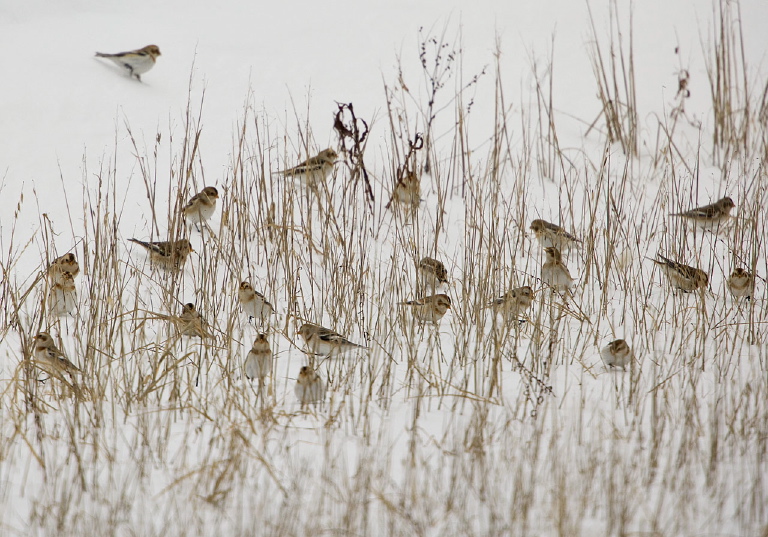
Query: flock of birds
x=319, y=340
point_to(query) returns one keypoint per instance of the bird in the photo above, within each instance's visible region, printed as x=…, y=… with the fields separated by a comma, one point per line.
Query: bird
x=554, y=272
x=62, y=295
x=201, y=206
x=254, y=304
x=514, y=302
x=432, y=271
x=682, y=276
x=709, y=216
x=430, y=308
x=407, y=191
x=315, y=168
x=741, y=283
x=190, y=322
x=310, y=388
x=616, y=354
x=167, y=254
x=51, y=358
x=258, y=363
x=552, y=235
x=324, y=341
x=136, y=62
x=64, y=264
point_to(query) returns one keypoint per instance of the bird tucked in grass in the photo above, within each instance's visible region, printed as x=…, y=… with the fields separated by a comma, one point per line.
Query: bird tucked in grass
x=709, y=216
x=324, y=341
x=682, y=276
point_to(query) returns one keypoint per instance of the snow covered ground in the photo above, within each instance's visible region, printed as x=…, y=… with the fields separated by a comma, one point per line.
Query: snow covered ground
x=475, y=426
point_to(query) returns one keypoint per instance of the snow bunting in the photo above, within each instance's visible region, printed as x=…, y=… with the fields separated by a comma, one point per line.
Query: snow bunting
x=254, y=304
x=554, y=272
x=325, y=341
x=258, y=363
x=201, y=206
x=310, y=388
x=167, y=254
x=515, y=302
x=432, y=271
x=64, y=264
x=136, y=62
x=552, y=235
x=62, y=296
x=741, y=283
x=407, y=191
x=191, y=323
x=315, y=168
x=51, y=358
x=616, y=354
x=429, y=309
x=709, y=216
x=682, y=276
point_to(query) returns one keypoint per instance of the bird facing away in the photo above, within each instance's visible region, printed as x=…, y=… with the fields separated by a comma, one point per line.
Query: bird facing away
x=191, y=323
x=681, y=276
x=515, y=302
x=64, y=264
x=167, y=254
x=407, y=191
x=254, y=304
x=62, y=296
x=616, y=354
x=258, y=363
x=709, y=216
x=552, y=235
x=430, y=308
x=310, y=388
x=201, y=206
x=741, y=283
x=432, y=271
x=553, y=272
x=324, y=341
x=314, y=169
x=136, y=62
x=50, y=358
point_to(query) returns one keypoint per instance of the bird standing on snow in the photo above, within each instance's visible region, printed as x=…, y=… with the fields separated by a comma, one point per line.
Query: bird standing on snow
x=515, y=302
x=313, y=169
x=554, y=272
x=709, y=216
x=51, y=358
x=136, y=62
x=552, y=235
x=201, y=206
x=741, y=283
x=310, y=388
x=681, y=276
x=167, y=254
x=258, y=363
x=429, y=309
x=616, y=354
x=325, y=341
x=254, y=304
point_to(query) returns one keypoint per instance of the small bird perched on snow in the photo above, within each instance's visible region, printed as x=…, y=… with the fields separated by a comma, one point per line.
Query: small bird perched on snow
x=136, y=62
x=254, y=304
x=310, y=388
x=62, y=296
x=741, y=283
x=616, y=354
x=201, y=206
x=552, y=235
x=313, y=169
x=515, y=302
x=258, y=363
x=167, y=254
x=64, y=264
x=325, y=341
x=554, y=272
x=710, y=216
x=681, y=276
x=51, y=358
x=432, y=271
x=190, y=322
x=429, y=309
